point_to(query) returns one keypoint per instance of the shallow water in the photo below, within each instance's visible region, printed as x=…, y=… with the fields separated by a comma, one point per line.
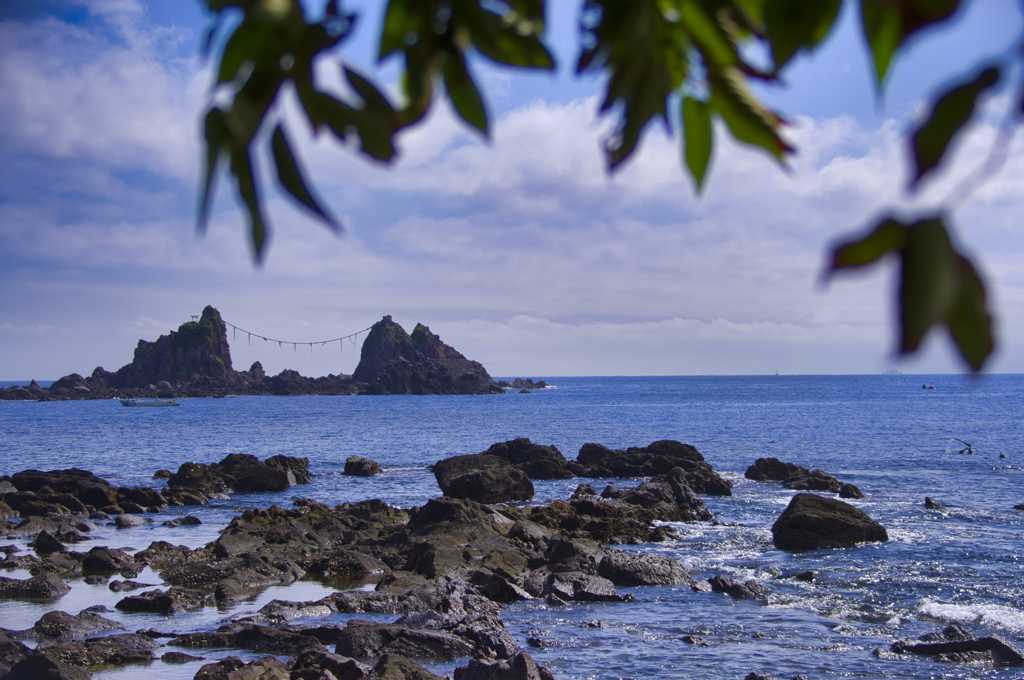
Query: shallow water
x=886, y=434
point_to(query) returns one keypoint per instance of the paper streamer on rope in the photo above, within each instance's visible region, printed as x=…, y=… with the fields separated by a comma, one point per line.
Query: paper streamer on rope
x=295, y=345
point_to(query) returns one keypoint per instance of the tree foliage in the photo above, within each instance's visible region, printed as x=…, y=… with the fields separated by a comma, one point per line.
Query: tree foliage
x=653, y=55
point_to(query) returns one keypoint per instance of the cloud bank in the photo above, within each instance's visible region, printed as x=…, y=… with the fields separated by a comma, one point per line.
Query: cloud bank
x=522, y=252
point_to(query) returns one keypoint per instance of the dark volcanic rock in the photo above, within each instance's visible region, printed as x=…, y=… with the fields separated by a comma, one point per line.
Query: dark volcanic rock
x=741, y=590
x=40, y=666
x=394, y=362
x=811, y=522
x=627, y=569
x=772, y=470
x=362, y=640
x=799, y=478
x=233, y=668
x=357, y=466
x=309, y=666
x=482, y=478
x=11, y=652
x=537, y=461
x=250, y=474
x=956, y=645
x=57, y=625
x=44, y=586
x=174, y=601
x=195, y=350
x=103, y=560
x=241, y=472
x=195, y=361
x=397, y=667
x=658, y=458
x=520, y=667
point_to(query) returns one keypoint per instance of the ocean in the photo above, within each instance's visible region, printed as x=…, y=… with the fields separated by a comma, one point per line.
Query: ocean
x=897, y=437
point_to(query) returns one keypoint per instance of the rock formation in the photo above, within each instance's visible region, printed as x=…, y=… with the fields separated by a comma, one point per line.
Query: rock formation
x=955, y=645
x=196, y=350
x=811, y=522
x=482, y=478
x=394, y=362
x=799, y=478
x=195, y=361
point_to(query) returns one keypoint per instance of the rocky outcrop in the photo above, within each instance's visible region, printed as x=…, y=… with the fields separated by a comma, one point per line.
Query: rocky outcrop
x=196, y=350
x=799, y=478
x=658, y=458
x=238, y=472
x=445, y=569
x=811, y=522
x=520, y=667
x=535, y=460
x=395, y=362
x=741, y=590
x=195, y=361
x=483, y=478
x=45, y=586
x=522, y=384
x=357, y=466
x=955, y=645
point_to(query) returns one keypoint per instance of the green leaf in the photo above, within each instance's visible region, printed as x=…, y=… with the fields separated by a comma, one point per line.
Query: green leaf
x=243, y=45
x=290, y=177
x=399, y=20
x=713, y=41
x=970, y=323
x=241, y=168
x=463, y=93
x=953, y=109
x=375, y=131
x=938, y=285
x=508, y=39
x=888, y=24
x=374, y=99
x=929, y=281
x=697, y=138
x=748, y=120
x=217, y=138
x=889, y=236
x=797, y=24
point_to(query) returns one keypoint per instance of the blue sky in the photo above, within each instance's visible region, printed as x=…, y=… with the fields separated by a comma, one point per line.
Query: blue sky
x=521, y=252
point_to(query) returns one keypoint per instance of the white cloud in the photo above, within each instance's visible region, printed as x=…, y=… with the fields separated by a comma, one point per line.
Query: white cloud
x=523, y=252
x=76, y=94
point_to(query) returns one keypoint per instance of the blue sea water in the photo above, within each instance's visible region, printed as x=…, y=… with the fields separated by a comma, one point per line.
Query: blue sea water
x=895, y=440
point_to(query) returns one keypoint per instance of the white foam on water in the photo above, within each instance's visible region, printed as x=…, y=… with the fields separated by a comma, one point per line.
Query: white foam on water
x=993, y=615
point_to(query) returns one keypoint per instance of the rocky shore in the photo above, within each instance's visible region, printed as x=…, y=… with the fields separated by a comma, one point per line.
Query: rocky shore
x=443, y=570
x=195, y=361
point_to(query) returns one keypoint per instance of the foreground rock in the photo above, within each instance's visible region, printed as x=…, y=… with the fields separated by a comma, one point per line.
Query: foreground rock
x=64, y=494
x=357, y=466
x=483, y=478
x=658, y=458
x=444, y=569
x=956, y=645
x=521, y=667
x=196, y=483
x=535, y=460
x=45, y=586
x=811, y=522
x=799, y=478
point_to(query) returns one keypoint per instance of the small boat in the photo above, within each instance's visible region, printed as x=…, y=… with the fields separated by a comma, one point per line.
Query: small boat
x=145, y=402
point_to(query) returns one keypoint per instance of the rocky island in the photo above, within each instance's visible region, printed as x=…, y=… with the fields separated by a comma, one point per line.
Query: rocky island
x=195, y=361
